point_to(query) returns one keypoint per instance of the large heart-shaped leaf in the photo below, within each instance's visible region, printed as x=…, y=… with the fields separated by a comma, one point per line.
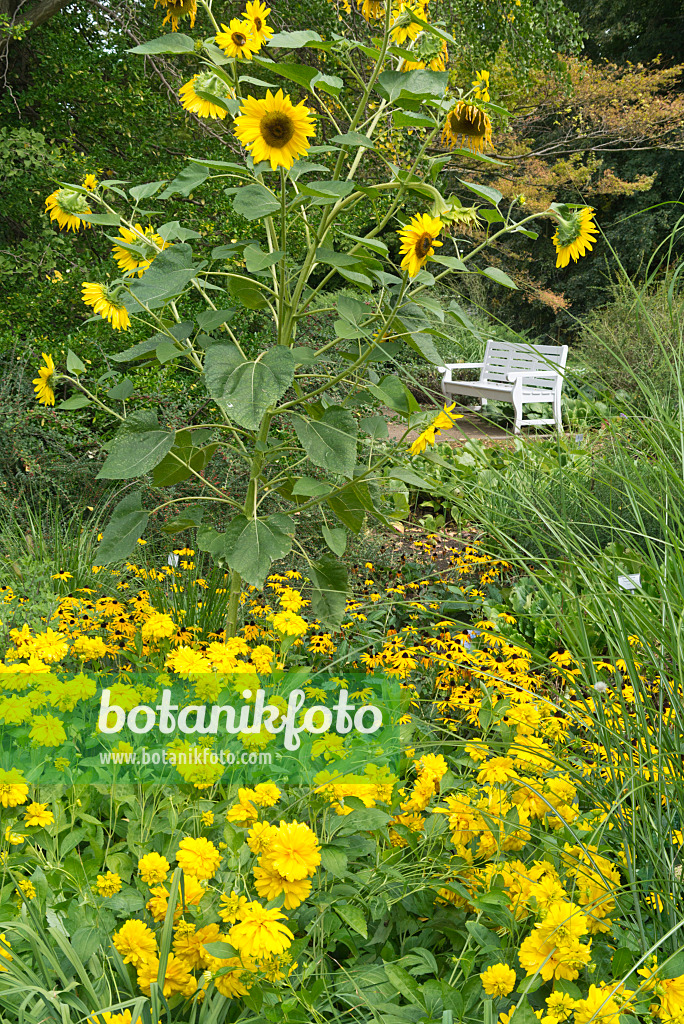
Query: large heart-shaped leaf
x=250, y=545
x=123, y=530
x=247, y=388
x=139, y=446
x=330, y=442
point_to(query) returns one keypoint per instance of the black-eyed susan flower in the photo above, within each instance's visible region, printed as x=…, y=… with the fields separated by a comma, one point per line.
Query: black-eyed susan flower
x=238, y=39
x=194, y=95
x=469, y=124
x=177, y=10
x=274, y=130
x=418, y=241
x=43, y=382
x=64, y=205
x=255, y=14
x=481, y=86
x=575, y=234
x=106, y=304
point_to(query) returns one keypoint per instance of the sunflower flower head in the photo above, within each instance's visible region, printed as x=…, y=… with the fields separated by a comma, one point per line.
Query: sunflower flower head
x=481, y=86
x=194, y=95
x=44, y=381
x=65, y=205
x=238, y=39
x=403, y=28
x=418, y=241
x=255, y=14
x=444, y=420
x=467, y=122
x=274, y=130
x=177, y=10
x=575, y=232
x=105, y=302
x=145, y=238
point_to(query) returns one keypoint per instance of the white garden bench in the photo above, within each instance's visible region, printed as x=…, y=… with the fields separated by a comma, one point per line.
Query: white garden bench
x=519, y=374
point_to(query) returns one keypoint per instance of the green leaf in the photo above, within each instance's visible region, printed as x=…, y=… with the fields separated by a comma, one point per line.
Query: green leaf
x=329, y=592
x=139, y=192
x=334, y=860
x=121, y=391
x=407, y=986
x=170, y=273
x=376, y=426
x=499, y=276
x=250, y=545
x=247, y=292
x=247, y=388
x=190, y=178
x=412, y=120
x=415, y=86
x=353, y=916
x=425, y=346
x=212, y=318
x=174, y=42
x=492, y=195
x=374, y=244
x=350, y=505
x=523, y=1014
x=123, y=530
x=330, y=442
x=166, y=351
x=293, y=40
x=186, y=521
x=222, y=950
x=353, y=139
x=112, y=219
x=394, y=394
x=307, y=487
x=170, y=471
x=256, y=259
x=74, y=364
x=336, y=539
x=255, y=201
x=146, y=348
x=335, y=259
x=76, y=402
x=138, y=447
x=352, y=310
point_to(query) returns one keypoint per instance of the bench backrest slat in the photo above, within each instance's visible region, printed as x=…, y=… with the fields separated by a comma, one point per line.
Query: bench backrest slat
x=502, y=358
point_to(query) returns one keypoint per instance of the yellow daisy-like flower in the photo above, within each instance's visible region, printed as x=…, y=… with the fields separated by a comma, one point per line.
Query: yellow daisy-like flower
x=260, y=932
x=274, y=130
x=470, y=124
x=205, y=82
x=131, y=261
x=575, y=235
x=256, y=13
x=198, y=857
x=13, y=788
x=238, y=39
x=64, y=205
x=498, y=980
x=90, y=182
x=103, y=302
x=176, y=10
x=43, y=381
x=153, y=868
x=418, y=240
x=443, y=421
x=108, y=885
x=481, y=86
x=294, y=851
x=135, y=941
x=38, y=815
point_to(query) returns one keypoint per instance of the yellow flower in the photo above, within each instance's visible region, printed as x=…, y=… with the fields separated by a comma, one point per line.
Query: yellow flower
x=231, y=906
x=238, y=39
x=266, y=794
x=294, y=851
x=108, y=885
x=290, y=624
x=599, y=1007
x=132, y=261
x=499, y=769
x=498, y=980
x=471, y=124
x=574, y=235
x=256, y=13
x=205, y=82
x=207, y=818
x=47, y=731
x=136, y=942
x=403, y=28
x=4, y=950
x=198, y=857
x=27, y=888
x=481, y=86
x=13, y=837
x=38, y=814
x=106, y=304
x=64, y=205
x=176, y=10
x=153, y=868
x=269, y=884
x=274, y=130
x=90, y=182
x=260, y=932
x=443, y=421
x=43, y=381
x=418, y=239
x=177, y=978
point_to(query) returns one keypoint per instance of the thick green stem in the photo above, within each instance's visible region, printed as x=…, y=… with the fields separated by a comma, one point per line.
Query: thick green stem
x=233, y=604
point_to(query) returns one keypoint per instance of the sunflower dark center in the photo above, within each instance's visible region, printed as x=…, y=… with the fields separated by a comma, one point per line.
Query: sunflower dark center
x=467, y=121
x=257, y=24
x=424, y=244
x=239, y=39
x=277, y=129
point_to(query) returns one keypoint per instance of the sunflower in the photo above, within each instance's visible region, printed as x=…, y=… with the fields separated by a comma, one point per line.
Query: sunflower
x=402, y=27
x=481, y=86
x=105, y=303
x=575, y=234
x=44, y=380
x=418, y=239
x=273, y=129
x=176, y=10
x=432, y=53
x=471, y=123
x=64, y=205
x=255, y=14
x=372, y=10
x=238, y=39
x=131, y=261
x=90, y=182
x=205, y=82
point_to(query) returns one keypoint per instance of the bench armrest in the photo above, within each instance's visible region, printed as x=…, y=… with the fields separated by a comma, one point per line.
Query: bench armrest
x=520, y=374
x=447, y=369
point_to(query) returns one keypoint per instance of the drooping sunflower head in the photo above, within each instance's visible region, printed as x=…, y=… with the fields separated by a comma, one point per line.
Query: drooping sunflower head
x=418, y=240
x=403, y=27
x=432, y=53
x=373, y=10
x=463, y=219
x=44, y=381
x=238, y=39
x=131, y=260
x=195, y=95
x=470, y=124
x=256, y=13
x=64, y=205
x=274, y=130
x=177, y=10
x=107, y=304
x=575, y=234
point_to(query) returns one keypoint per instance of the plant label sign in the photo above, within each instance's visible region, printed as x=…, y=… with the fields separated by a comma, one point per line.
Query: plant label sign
x=630, y=582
